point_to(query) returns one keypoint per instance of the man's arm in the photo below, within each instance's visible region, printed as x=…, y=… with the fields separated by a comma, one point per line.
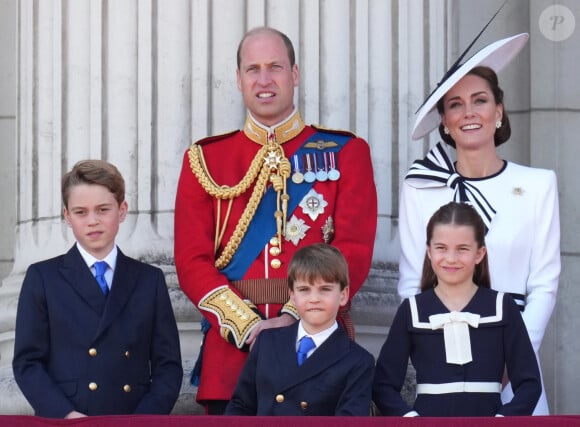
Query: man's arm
x=206, y=287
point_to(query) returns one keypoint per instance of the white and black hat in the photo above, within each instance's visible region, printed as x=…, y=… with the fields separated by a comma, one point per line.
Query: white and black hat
x=495, y=56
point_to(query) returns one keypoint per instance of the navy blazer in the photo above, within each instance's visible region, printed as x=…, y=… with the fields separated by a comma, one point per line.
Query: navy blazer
x=76, y=349
x=335, y=380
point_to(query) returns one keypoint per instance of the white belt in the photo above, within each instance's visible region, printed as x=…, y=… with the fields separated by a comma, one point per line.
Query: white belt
x=459, y=387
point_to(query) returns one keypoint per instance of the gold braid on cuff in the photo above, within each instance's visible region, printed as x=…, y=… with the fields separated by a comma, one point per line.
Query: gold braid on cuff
x=234, y=315
x=290, y=309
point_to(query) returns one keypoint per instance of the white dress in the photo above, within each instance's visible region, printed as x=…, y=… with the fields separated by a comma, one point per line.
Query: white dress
x=523, y=241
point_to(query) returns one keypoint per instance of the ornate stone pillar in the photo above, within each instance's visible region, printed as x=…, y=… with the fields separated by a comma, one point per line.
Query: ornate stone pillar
x=91, y=85
x=135, y=82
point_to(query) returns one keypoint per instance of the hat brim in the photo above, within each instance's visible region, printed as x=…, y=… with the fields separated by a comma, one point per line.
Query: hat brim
x=495, y=56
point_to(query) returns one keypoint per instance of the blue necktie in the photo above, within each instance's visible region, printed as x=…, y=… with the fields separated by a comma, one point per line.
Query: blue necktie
x=100, y=268
x=306, y=344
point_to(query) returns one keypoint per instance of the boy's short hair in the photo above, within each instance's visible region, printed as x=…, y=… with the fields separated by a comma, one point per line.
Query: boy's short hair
x=94, y=172
x=318, y=261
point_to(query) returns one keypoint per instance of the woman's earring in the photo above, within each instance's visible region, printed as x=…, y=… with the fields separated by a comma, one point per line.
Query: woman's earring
x=498, y=124
x=446, y=130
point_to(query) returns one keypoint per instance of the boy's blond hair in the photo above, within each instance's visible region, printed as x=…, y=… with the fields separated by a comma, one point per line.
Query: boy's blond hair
x=94, y=172
x=318, y=261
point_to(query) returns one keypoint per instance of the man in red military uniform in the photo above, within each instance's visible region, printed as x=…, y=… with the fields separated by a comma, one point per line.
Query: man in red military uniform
x=246, y=201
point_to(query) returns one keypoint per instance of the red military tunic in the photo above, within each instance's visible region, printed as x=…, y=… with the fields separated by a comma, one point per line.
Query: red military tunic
x=350, y=201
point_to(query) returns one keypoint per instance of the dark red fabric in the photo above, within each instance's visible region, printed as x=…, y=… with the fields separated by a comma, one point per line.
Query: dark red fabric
x=223, y=421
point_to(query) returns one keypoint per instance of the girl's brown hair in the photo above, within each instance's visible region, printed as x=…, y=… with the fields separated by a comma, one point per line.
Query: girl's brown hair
x=454, y=213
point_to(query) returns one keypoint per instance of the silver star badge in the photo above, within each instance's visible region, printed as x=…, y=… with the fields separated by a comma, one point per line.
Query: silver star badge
x=313, y=204
x=296, y=230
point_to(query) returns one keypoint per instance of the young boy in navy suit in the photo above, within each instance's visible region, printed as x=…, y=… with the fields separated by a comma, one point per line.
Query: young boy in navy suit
x=331, y=376
x=96, y=345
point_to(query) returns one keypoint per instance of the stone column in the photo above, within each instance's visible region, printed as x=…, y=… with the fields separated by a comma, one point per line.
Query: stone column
x=554, y=122
x=135, y=82
x=406, y=45
x=92, y=85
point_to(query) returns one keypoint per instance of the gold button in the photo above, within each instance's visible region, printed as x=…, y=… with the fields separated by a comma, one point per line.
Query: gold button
x=279, y=398
x=127, y=354
x=276, y=263
x=93, y=386
x=304, y=405
x=92, y=352
x=274, y=251
x=127, y=388
x=274, y=241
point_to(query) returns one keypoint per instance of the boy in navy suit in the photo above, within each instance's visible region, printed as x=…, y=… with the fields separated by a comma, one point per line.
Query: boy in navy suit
x=330, y=376
x=95, y=330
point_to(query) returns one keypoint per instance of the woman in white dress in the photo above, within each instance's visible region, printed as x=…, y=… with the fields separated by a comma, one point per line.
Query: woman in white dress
x=518, y=204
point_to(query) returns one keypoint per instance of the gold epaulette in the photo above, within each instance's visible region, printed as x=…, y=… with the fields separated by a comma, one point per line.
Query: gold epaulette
x=235, y=316
x=213, y=138
x=290, y=309
x=335, y=131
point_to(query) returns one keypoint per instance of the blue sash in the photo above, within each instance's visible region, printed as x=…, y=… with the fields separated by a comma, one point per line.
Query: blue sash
x=263, y=226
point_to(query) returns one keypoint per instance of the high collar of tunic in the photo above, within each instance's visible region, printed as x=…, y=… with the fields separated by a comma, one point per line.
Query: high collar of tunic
x=283, y=131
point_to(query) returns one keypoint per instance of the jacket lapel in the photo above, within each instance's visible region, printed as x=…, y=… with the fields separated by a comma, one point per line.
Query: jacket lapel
x=124, y=282
x=334, y=349
x=78, y=275
x=286, y=349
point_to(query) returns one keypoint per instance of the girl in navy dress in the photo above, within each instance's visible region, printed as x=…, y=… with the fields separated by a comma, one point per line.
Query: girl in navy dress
x=461, y=335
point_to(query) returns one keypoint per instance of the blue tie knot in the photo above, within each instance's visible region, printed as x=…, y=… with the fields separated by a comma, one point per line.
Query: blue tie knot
x=100, y=268
x=306, y=344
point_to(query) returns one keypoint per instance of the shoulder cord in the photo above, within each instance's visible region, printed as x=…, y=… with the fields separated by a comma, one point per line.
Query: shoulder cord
x=258, y=171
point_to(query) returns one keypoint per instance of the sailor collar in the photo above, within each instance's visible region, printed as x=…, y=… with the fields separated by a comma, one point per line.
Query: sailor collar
x=284, y=131
x=496, y=317
x=455, y=325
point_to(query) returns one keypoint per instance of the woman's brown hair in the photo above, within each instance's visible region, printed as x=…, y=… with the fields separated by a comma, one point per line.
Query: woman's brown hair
x=504, y=132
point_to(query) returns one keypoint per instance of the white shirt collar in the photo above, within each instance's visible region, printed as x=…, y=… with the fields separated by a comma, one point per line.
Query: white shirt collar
x=318, y=338
x=111, y=257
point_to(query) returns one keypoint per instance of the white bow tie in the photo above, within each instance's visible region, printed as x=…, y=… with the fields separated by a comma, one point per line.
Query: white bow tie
x=456, y=334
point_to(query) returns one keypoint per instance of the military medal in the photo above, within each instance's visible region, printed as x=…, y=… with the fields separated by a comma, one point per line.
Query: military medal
x=328, y=230
x=309, y=176
x=296, y=230
x=333, y=173
x=273, y=159
x=313, y=204
x=297, y=177
x=320, y=166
